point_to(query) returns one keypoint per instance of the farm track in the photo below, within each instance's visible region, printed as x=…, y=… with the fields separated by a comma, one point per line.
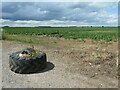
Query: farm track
x=71, y=65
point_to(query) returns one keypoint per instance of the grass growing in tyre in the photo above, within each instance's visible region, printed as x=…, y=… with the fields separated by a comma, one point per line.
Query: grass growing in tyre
x=27, y=64
x=96, y=33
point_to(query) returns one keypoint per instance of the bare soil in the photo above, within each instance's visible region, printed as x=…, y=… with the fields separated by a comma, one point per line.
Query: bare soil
x=77, y=64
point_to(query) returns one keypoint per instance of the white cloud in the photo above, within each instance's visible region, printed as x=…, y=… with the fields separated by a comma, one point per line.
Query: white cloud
x=60, y=0
x=33, y=23
x=112, y=19
x=35, y=14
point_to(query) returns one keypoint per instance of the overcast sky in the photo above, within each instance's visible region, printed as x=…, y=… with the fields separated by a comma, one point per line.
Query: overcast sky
x=59, y=13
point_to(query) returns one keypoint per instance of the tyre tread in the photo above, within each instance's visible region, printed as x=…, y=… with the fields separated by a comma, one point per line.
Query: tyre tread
x=27, y=66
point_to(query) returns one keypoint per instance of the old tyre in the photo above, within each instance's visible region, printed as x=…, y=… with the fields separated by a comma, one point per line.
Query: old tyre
x=26, y=65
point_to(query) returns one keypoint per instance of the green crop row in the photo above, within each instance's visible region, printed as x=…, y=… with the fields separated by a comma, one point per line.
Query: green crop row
x=97, y=33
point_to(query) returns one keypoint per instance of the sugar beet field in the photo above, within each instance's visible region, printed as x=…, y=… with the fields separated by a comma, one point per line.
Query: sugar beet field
x=78, y=54
x=95, y=33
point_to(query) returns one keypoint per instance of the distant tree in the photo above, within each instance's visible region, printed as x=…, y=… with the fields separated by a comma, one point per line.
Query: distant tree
x=102, y=26
x=91, y=26
x=6, y=26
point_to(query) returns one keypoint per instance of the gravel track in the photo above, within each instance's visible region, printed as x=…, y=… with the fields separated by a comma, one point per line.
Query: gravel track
x=55, y=75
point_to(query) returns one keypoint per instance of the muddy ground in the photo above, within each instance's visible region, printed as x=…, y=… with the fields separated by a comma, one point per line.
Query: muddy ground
x=71, y=64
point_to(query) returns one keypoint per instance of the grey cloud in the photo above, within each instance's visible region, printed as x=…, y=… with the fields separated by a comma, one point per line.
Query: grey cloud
x=86, y=12
x=31, y=11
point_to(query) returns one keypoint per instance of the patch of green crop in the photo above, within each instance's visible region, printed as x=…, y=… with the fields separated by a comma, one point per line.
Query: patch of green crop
x=96, y=33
